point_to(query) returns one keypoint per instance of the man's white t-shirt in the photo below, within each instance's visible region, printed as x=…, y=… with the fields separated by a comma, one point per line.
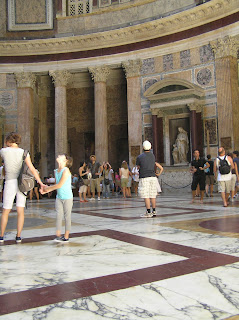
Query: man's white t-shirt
x=223, y=177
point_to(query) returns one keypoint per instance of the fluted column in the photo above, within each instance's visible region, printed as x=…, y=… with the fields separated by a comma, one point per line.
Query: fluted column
x=43, y=92
x=225, y=51
x=25, y=122
x=132, y=70
x=60, y=80
x=100, y=75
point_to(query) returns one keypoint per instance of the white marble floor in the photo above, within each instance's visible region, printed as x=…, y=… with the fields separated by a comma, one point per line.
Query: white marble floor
x=183, y=264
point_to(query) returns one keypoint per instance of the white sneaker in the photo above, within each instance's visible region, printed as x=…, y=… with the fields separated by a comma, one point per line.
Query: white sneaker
x=98, y=198
x=146, y=215
x=92, y=199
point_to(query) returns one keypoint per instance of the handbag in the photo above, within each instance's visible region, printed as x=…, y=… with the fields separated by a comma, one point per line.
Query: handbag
x=106, y=181
x=80, y=182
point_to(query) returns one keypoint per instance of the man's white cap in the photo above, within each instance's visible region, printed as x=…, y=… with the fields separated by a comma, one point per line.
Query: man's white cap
x=146, y=145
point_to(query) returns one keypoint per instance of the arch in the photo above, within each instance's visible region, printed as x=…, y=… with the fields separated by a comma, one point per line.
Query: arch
x=180, y=85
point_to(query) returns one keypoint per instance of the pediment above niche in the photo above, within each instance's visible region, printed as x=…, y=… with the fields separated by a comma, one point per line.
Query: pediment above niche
x=173, y=93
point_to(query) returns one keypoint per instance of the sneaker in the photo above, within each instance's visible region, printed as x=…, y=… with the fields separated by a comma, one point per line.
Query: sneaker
x=62, y=239
x=153, y=214
x=98, y=198
x=58, y=238
x=146, y=215
x=92, y=199
x=18, y=239
x=1, y=240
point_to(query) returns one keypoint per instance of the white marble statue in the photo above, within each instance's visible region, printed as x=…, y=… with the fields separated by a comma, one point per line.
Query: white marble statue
x=181, y=146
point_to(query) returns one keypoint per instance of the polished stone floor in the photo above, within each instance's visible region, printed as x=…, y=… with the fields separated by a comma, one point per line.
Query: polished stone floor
x=182, y=265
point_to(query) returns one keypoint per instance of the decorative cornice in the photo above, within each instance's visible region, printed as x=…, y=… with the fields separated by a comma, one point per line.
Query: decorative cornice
x=200, y=15
x=225, y=47
x=99, y=74
x=132, y=68
x=25, y=79
x=60, y=78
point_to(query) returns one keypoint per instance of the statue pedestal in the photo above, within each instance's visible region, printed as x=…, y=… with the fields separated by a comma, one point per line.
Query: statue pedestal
x=176, y=178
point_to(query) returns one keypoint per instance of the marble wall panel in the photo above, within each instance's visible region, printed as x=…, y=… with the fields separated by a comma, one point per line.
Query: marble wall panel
x=33, y=11
x=3, y=80
x=195, y=56
x=3, y=18
x=168, y=62
x=148, y=66
x=147, y=118
x=148, y=134
x=186, y=75
x=147, y=83
x=206, y=53
x=30, y=15
x=209, y=111
x=205, y=76
x=8, y=99
x=210, y=125
x=176, y=61
x=158, y=64
x=185, y=59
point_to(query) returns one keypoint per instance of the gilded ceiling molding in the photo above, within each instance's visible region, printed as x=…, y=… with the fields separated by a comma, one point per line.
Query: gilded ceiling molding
x=225, y=47
x=132, y=68
x=25, y=79
x=99, y=74
x=208, y=12
x=60, y=78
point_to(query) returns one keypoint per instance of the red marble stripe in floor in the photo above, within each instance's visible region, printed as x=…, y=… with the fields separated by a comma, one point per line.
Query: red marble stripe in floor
x=198, y=260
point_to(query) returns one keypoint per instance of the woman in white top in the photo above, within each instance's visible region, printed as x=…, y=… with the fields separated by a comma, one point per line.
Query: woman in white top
x=124, y=177
x=13, y=156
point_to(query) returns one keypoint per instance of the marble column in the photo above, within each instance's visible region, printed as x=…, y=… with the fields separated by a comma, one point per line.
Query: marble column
x=158, y=143
x=225, y=51
x=60, y=80
x=132, y=70
x=193, y=127
x=43, y=92
x=25, y=121
x=100, y=75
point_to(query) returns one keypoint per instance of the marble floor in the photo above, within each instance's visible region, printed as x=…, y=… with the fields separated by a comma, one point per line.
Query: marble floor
x=182, y=265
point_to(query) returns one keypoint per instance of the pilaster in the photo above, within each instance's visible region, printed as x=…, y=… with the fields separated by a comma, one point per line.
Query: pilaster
x=225, y=51
x=25, y=123
x=132, y=70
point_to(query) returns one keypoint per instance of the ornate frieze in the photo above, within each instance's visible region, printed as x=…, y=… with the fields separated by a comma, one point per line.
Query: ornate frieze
x=132, y=68
x=60, y=78
x=225, y=47
x=25, y=79
x=99, y=74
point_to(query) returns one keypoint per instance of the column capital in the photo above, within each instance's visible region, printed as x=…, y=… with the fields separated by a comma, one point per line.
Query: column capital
x=132, y=68
x=195, y=107
x=100, y=73
x=157, y=112
x=60, y=78
x=25, y=79
x=225, y=47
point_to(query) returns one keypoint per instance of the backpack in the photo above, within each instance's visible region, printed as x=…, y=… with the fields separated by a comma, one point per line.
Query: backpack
x=26, y=180
x=224, y=167
x=206, y=170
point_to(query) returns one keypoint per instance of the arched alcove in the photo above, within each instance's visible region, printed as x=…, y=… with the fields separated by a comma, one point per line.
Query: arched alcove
x=175, y=103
